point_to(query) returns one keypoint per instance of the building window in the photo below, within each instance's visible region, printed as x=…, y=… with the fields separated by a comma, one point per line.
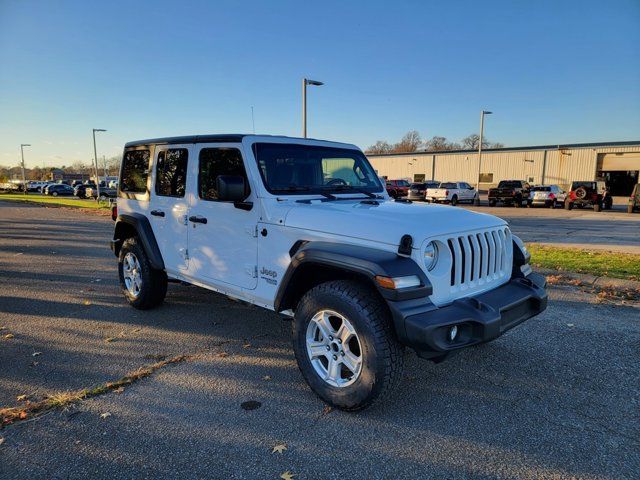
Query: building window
x=418, y=177
x=135, y=170
x=215, y=162
x=486, y=178
x=171, y=172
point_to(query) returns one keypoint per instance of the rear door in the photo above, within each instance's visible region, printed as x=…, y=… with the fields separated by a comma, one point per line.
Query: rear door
x=169, y=205
x=223, y=243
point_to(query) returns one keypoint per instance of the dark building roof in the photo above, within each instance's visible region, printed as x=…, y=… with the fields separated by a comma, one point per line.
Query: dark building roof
x=507, y=149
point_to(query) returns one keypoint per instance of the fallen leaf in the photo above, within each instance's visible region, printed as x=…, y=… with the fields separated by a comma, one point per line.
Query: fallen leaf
x=22, y=398
x=110, y=339
x=267, y=377
x=105, y=415
x=570, y=324
x=223, y=355
x=23, y=415
x=9, y=335
x=136, y=330
x=86, y=302
x=246, y=345
x=279, y=448
x=35, y=354
x=119, y=390
x=2, y=327
x=1, y=440
x=327, y=409
x=34, y=364
x=287, y=475
x=250, y=405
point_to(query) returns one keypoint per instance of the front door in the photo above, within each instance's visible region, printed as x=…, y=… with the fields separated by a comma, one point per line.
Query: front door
x=169, y=206
x=223, y=244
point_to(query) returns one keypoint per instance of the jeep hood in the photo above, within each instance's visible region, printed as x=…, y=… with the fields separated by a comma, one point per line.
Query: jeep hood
x=388, y=221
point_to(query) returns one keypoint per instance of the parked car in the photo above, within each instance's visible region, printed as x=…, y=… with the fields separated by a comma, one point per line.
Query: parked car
x=397, y=188
x=105, y=192
x=510, y=192
x=452, y=192
x=546, y=196
x=45, y=187
x=634, y=200
x=253, y=217
x=80, y=191
x=589, y=194
x=418, y=190
x=59, y=189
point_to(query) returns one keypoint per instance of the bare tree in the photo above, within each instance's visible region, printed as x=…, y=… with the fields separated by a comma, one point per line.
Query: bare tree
x=411, y=142
x=381, y=146
x=471, y=142
x=441, y=144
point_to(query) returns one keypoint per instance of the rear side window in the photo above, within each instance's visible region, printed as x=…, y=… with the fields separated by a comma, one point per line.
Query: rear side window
x=541, y=189
x=215, y=162
x=509, y=184
x=448, y=185
x=135, y=170
x=171, y=172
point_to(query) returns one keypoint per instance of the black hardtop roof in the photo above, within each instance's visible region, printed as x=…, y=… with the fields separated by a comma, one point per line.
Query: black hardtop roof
x=207, y=138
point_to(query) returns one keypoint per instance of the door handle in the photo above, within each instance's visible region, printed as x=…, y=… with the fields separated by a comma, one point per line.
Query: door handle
x=197, y=219
x=157, y=213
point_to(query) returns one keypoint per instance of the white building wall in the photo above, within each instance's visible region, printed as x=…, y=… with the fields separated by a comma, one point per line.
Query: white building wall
x=549, y=166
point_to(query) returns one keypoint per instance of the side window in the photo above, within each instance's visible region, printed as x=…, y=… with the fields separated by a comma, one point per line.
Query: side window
x=135, y=170
x=171, y=172
x=215, y=162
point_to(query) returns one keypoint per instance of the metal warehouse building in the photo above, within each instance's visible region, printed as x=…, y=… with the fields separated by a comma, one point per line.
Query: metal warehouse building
x=617, y=162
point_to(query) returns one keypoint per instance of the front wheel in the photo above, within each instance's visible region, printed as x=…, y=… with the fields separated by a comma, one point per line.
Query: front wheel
x=142, y=286
x=345, y=346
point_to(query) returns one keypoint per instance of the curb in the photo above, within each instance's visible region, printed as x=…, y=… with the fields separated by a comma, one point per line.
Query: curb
x=602, y=282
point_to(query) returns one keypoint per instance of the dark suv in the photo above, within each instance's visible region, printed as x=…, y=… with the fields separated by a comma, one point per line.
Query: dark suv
x=590, y=194
x=510, y=192
x=418, y=190
x=634, y=200
x=397, y=188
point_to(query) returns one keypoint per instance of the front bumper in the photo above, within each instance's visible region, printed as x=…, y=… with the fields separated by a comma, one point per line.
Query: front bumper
x=482, y=318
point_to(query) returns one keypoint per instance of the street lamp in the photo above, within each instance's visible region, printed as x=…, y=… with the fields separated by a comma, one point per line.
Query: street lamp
x=24, y=178
x=95, y=159
x=305, y=82
x=482, y=114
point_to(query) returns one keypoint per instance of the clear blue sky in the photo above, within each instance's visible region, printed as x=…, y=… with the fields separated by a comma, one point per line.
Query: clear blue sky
x=552, y=71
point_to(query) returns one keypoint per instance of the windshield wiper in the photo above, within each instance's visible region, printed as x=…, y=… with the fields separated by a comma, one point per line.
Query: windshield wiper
x=351, y=188
x=297, y=188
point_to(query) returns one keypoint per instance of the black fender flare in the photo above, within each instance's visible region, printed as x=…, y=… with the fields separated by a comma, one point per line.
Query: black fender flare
x=363, y=261
x=144, y=232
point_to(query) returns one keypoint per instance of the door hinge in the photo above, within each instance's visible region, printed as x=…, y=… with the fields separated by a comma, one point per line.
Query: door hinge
x=185, y=253
x=252, y=230
x=252, y=270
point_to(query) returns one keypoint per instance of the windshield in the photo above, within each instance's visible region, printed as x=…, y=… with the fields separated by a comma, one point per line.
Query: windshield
x=300, y=169
x=509, y=184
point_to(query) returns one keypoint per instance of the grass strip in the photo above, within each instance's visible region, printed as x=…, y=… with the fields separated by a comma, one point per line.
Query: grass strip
x=59, y=201
x=9, y=415
x=598, y=263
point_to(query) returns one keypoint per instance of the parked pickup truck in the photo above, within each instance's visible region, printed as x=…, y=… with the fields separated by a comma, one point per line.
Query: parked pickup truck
x=510, y=192
x=452, y=192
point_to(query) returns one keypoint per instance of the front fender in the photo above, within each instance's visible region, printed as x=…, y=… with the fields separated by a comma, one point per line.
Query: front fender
x=139, y=224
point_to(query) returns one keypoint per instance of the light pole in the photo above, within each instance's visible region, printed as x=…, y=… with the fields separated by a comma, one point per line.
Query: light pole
x=95, y=159
x=482, y=114
x=24, y=177
x=305, y=82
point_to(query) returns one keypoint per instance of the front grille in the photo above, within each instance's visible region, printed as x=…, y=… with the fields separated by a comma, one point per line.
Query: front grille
x=479, y=257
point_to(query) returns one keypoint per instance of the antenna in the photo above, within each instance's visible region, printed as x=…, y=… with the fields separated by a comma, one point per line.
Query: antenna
x=253, y=121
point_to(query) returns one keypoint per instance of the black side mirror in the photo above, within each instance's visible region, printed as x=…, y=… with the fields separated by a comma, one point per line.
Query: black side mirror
x=231, y=188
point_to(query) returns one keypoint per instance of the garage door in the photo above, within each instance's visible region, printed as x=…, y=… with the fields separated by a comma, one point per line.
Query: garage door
x=617, y=162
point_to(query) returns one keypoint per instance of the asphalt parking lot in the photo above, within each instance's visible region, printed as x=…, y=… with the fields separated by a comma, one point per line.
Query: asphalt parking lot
x=556, y=397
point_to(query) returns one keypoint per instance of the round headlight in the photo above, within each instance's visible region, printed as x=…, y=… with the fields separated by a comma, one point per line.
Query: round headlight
x=430, y=255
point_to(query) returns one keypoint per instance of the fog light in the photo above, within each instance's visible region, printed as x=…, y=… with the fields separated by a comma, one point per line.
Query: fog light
x=453, y=333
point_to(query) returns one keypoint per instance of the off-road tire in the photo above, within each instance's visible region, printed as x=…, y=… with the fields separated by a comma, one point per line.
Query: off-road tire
x=492, y=203
x=597, y=207
x=154, y=282
x=454, y=200
x=54, y=194
x=382, y=354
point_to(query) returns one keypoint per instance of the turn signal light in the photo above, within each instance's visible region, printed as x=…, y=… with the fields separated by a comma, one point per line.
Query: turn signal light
x=397, y=283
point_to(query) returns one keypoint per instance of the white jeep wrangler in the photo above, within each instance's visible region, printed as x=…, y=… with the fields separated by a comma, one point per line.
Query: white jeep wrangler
x=305, y=228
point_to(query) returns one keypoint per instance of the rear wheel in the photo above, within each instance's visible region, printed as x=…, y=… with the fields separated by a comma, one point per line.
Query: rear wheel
x=492, y=203
x=143, y=286
x=454, y=200
x=54, y=194
x=345, y=346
